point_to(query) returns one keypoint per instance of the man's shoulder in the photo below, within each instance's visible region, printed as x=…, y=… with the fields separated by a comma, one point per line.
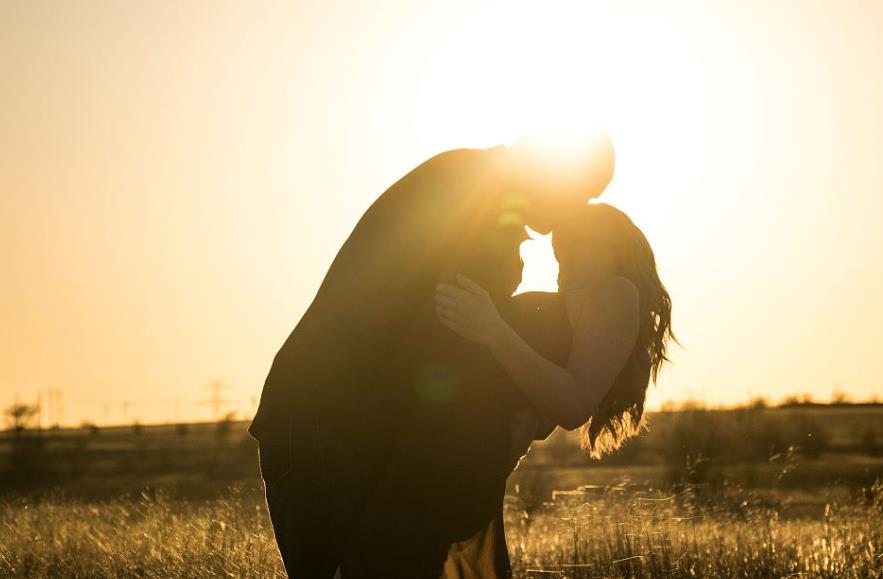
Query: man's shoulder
x=444, y=177
x=465, y=155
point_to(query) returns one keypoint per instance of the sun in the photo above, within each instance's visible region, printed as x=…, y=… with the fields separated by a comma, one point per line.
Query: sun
x=555, y=74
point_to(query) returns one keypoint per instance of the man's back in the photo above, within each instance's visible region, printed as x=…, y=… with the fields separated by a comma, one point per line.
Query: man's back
x=379, y=282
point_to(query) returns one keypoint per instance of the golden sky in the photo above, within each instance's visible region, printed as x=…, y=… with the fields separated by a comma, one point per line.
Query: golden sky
x=175, y=177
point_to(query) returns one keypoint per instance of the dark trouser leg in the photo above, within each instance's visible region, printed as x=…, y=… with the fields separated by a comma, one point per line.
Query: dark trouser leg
x=313, y=516
x=309, y=539
x=308, y=536
x=441, y=485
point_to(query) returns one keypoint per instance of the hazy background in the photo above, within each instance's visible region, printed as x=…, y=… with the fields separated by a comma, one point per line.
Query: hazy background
x=175, y=177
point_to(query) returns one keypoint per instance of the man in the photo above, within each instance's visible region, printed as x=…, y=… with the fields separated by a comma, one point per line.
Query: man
x=344, y=381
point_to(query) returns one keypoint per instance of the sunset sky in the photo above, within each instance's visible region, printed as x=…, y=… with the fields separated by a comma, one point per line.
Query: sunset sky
x=176, y=177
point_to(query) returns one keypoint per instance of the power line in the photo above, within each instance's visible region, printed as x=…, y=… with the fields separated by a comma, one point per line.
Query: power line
x=53, y=406
x=216, y=400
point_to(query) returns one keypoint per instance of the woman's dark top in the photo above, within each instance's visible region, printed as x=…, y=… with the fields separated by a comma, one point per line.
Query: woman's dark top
x=438, y=511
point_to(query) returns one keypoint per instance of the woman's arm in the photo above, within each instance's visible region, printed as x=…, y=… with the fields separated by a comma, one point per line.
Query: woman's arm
x=603, y=338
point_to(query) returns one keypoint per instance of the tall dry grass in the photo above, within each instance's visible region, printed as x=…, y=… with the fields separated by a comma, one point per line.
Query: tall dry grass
x=605, y=533
x=146, y=536
x=612, y=532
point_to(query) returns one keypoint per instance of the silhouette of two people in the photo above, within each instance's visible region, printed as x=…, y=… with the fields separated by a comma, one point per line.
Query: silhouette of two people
x=383, y=437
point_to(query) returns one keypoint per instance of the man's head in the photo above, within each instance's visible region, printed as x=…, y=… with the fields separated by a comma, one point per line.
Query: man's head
x=554, y=178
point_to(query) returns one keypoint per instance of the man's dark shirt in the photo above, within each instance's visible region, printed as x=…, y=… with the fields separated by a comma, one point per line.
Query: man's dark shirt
x=368, y=347
x=369, y=376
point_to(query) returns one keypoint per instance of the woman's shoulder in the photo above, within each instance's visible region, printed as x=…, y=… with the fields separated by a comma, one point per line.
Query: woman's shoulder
x=609, y=289
x=608, y=296
x=615, y=299
x=616, y=288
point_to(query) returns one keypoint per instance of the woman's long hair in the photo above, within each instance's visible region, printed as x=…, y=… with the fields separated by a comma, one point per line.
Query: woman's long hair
x=601, y=227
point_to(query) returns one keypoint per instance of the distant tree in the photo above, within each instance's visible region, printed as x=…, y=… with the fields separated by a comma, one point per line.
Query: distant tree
x=91, y=427
x=19, y=416
x=26, y=451
x=839, y=397
x=791, y=400
x=758, y=403
x=692, y=405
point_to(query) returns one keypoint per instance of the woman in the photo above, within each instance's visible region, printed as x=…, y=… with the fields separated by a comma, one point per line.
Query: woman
x=583, y=357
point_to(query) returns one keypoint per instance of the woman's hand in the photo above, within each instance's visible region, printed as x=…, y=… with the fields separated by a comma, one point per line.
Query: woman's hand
x=470, y=312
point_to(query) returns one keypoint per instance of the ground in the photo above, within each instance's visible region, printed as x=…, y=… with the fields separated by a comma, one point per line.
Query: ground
x=693, y=497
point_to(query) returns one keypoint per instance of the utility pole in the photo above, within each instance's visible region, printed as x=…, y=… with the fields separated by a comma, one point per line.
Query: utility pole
x=59, y=401
x=49, y=415
x=216, y=400
x=55, y=406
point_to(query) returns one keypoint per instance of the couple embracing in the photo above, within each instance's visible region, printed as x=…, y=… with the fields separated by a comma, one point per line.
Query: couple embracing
x=396, y=409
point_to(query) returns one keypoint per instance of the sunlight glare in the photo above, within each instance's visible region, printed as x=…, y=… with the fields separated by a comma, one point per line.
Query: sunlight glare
x=540, y=272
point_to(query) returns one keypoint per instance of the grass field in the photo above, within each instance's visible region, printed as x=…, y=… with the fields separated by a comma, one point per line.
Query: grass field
x=597, y=532
x=765, y=493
